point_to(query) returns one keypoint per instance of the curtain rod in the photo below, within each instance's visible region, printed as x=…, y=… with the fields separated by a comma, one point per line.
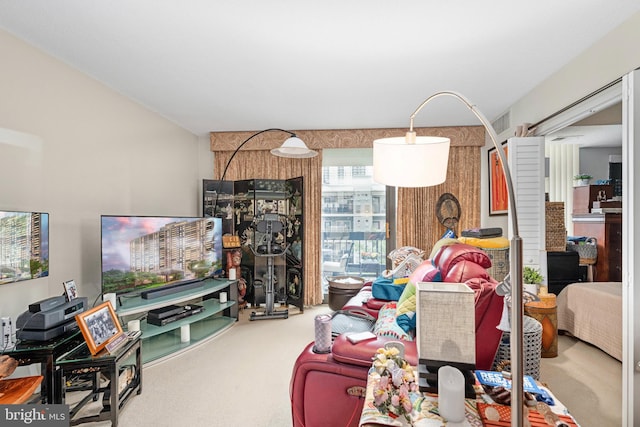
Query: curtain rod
x=579, y=101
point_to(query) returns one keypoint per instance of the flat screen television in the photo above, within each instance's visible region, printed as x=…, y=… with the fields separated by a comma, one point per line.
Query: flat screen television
x=147, y=252
x=24, y=246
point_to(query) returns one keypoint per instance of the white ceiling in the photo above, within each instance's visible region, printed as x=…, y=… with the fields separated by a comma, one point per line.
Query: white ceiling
x=589, y=136
x=211, y=65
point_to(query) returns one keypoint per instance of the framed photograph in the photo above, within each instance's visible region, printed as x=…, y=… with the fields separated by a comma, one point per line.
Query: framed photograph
x=70, y=289
x=99, y=325
x=498, y=195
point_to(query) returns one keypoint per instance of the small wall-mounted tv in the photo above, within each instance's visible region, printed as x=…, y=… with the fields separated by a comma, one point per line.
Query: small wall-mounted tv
x=146, y=252
x=24, y=246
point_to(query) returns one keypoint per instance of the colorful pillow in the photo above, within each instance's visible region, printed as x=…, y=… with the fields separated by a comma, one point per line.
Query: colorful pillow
x=385, y=289
x=386, y=325
x=406, y=311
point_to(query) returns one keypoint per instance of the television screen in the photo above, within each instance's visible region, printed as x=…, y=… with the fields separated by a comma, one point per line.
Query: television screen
x=24, y=246
x=144, y=252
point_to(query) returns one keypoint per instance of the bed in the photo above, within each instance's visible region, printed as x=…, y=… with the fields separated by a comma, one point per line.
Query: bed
x=592, y=312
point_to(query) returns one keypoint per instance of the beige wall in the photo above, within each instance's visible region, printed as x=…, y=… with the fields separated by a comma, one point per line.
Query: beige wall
x=613, y=56
x=74, y=148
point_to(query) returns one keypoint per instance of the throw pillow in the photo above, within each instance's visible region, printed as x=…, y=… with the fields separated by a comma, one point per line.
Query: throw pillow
x=406, y=311
x=386, y=325
x=385, y=289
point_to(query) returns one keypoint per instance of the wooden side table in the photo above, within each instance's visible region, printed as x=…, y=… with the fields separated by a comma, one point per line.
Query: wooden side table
x=545, y=311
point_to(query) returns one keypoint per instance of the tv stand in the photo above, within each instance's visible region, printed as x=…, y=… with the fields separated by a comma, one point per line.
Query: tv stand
x=161, y=342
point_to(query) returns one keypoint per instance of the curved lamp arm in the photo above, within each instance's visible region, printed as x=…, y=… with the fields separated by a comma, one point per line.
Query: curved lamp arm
x=494, y=138
x=517, y=310
x=224, y=173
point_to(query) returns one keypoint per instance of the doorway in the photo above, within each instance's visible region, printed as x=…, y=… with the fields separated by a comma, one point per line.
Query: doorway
x=627, y=92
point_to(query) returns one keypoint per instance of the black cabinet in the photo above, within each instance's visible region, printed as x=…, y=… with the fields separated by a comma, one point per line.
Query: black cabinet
x=242, y=205
x=562, y=270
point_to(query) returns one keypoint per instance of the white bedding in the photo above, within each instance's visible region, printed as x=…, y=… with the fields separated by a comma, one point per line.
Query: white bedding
x=592, y=312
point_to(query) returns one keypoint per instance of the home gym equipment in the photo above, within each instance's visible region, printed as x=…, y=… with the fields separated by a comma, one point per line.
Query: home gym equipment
x=267, y=246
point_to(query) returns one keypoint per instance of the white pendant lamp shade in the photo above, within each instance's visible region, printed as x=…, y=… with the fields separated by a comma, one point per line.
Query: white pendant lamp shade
x=399, y=162
x=294, y=147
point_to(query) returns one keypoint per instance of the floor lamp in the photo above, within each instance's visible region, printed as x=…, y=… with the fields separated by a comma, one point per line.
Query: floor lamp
x=293, y=147
x=413, y=161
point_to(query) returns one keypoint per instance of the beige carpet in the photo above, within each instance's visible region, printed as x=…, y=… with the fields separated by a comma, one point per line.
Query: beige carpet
x=587, y=380
x=241, y=378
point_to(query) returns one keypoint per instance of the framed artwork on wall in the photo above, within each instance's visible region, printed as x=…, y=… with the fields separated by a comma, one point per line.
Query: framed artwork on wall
x=498, y=195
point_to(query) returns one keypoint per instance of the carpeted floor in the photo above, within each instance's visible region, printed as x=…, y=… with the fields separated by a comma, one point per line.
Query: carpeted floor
x=241, y=378
x=587, y=380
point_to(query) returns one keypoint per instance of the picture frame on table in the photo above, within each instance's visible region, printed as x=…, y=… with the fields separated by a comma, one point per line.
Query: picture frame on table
x=498, y=193
x=99, y=326
x=70, y=289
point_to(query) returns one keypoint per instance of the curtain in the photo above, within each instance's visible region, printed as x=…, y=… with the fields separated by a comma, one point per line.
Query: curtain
x=260, y=164
x=418, y=224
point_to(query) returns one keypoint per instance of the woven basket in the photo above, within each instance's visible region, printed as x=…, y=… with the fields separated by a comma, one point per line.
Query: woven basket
x=499, y=263
x=588, y=251
x=555, y=231
x=532, y=347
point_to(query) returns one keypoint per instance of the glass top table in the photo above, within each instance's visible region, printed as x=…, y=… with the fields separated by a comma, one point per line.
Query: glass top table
x=122, y=368
x=27, y=352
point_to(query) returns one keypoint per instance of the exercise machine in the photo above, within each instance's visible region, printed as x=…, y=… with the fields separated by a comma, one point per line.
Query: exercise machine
x=269, y=226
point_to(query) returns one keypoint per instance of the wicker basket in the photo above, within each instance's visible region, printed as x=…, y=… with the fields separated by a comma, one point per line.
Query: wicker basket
x=588, y=251
x=499, y=262
x=555, y=231
x=532, y=347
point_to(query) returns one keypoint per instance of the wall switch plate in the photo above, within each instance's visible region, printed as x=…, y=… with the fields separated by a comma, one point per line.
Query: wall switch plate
x=6, y=333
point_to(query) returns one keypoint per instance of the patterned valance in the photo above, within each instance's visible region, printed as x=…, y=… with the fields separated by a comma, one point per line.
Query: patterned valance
x=461, y=136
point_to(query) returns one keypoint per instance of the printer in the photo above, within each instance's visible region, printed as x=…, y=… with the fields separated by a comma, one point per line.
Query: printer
x=49, y=318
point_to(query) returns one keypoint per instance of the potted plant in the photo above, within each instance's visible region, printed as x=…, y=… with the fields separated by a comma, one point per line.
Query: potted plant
x=532, y=277
x=581, y=179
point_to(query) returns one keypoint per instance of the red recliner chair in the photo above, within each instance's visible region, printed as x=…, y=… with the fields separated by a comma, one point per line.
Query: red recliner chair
x=328, y=389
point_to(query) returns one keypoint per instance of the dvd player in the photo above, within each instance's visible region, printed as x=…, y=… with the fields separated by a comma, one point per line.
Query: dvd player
x=171, y=313
x=163, y=312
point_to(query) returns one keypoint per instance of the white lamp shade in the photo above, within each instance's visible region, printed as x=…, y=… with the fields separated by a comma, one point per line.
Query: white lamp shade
x=294, y=147
x=445, y=322
x=399, y=163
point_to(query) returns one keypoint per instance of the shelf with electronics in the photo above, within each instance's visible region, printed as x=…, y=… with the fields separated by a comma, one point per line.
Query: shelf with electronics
x=159, y=342
x=243, y=205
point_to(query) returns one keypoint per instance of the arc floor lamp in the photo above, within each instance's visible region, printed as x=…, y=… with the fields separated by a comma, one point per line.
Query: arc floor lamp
x=413, y=161
x=293, y=147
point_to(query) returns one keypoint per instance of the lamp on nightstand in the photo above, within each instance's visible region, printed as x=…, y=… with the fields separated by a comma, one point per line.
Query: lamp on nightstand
x=419, y=161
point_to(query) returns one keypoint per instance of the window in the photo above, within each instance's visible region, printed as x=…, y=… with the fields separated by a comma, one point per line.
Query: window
x=353, y=215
